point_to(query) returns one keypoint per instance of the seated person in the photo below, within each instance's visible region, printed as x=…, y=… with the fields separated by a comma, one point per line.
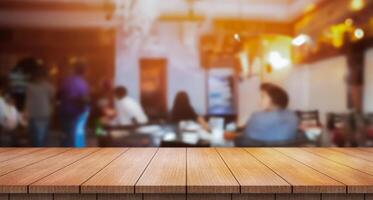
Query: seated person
x=128, y=110
x=182, y=110
x=274, y=125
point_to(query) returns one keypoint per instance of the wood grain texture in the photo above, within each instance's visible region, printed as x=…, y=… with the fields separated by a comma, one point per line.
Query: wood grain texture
x=164, y=197
x=356, y=181
x=9, y=153
x=366, y=149
x=18, y=181
x=207, y=173
x=346, y=159
x=166, y=173
x=369, y=197
x=342, y=197
x=303, y=178
x=209, y=197
x=252, y=175
x=298, y=196
x=74, y=197
x=253, y=197
x=69, y=179
x=356, y=152
x=121, y=175
x=31, y=197
x=119, y=197
x=28, y=159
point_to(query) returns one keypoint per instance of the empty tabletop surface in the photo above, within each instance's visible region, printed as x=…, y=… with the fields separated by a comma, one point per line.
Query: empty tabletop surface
x=186, y=170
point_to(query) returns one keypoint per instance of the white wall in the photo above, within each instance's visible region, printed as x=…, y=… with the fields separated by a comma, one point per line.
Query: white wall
x=176, y=42
x=327, y=85
x=368, y=82
x=248, y=99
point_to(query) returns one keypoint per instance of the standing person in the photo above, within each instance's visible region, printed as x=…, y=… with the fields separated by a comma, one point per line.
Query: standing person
x=39, y=95
x=2, y=113
x=11, y=120
x=74, y=106
x=275, y=125
x=128, y=110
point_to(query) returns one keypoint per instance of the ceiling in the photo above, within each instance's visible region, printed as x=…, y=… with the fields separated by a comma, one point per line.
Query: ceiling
x=91, y=13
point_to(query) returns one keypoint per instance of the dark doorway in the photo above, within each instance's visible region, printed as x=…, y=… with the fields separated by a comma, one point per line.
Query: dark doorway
x=153, y=87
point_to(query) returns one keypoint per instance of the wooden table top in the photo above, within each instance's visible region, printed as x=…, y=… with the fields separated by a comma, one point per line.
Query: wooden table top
x=186, y=170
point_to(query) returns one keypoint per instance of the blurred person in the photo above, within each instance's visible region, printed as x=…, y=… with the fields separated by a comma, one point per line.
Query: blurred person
x=38, y=109
x=18, y=79
x=182, y=110
x=74, y=105
x=2, y=111
x=128, y=110
x=275, y=125
x=11, y=119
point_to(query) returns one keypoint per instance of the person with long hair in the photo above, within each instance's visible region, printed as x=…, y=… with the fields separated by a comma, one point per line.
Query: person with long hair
x=183, y=110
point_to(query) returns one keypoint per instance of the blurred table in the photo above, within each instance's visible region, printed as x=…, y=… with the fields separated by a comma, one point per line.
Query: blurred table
x=165, y=135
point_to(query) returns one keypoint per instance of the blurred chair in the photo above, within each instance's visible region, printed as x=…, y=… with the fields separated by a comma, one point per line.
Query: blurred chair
x=342, y=128
x=368, y=129
x=310, y=128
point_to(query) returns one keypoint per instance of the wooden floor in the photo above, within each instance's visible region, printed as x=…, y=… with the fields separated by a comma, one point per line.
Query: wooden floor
x=186, y=173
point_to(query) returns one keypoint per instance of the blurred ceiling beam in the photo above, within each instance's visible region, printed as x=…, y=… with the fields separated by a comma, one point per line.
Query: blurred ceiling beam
x=12, y=5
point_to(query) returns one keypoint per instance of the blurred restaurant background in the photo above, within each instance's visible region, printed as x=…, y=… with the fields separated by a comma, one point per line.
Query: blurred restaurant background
x=215, y=53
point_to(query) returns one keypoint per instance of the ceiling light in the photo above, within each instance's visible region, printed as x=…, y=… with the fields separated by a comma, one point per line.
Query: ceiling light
x=349, y=22
x=301, y=39
x=237, y=37
x=277, y=61
x=359, y=33
x=357, y=5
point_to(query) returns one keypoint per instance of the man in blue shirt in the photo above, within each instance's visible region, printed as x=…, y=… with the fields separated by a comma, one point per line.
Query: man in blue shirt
x=274, y=125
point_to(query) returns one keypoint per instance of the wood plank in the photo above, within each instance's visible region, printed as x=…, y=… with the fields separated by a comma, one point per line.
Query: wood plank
x=366, y=149
x=298, y=197
x=369, y=197
x=345, y=159
x=119, y=196
x=4, y=196
x=252, y=175
x=69, y=179
x=122, y=174
x=166, y=173
x=302, y=178
x=253, y=197
x=18, y=181
x=209, y=196
x=28, y=159
x=356, y=152
x=164, y=196
x=356, y=181
x=207, y=173
x=75, y=197
x=10, y=153
x=342, y=197
x=31, y=197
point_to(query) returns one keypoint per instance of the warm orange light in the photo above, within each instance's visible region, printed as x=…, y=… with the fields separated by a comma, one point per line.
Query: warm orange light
x=349, y=22
x=357, y=5
x=337, y=35
x=310, y=8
